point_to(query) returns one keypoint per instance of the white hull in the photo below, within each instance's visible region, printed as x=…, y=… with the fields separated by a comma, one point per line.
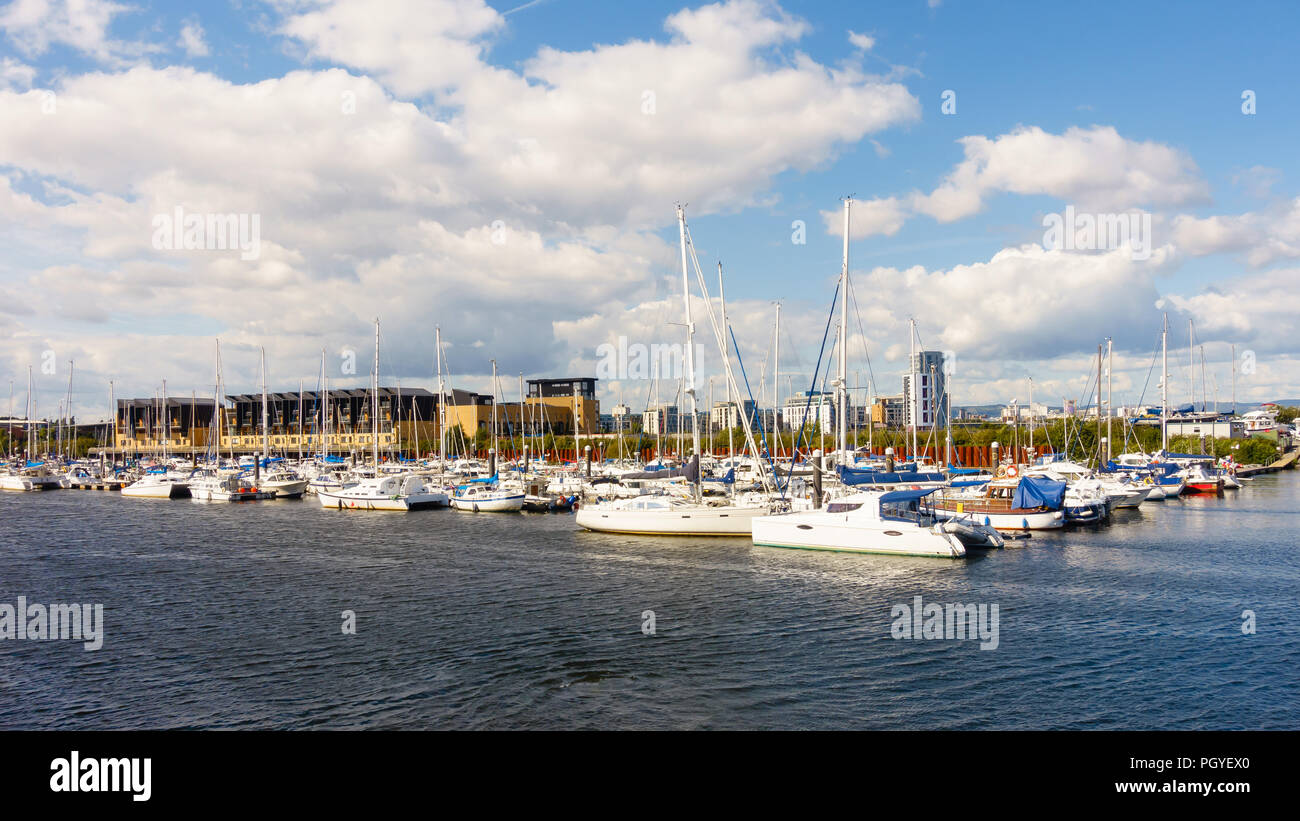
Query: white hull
x=357, y=501
x=1011, y=522
x=290, y=489
x=677, y=521
x=501, y=504
x=820, y=530
x=156, y=490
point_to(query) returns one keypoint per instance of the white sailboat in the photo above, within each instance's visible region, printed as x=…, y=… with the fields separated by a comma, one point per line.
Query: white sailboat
x=667, y=516
x=895, y=522
x=400, y=492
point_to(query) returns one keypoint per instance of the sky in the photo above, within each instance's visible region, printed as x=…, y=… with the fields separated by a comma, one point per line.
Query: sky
x=510, y=173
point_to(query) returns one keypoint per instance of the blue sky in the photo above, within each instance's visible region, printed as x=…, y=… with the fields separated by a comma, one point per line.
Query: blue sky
x=472, y=114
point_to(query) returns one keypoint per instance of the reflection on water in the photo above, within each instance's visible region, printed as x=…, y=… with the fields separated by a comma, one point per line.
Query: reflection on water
x=230, y=616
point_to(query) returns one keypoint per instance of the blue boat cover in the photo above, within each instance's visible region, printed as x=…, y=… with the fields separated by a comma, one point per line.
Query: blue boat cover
x=906, y=495
x=1036, y=491
x=852, y=476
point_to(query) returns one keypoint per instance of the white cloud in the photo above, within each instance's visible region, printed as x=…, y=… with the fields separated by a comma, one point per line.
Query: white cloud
x=861, y=42
x=412, y=46
x=1094, y=168
x=1263, y=237
x=33, y=26
x=867, y=218
x=191, y=40
x=16, y=75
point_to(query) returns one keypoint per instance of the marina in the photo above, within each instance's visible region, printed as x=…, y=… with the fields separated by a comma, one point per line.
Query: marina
x=526, y=621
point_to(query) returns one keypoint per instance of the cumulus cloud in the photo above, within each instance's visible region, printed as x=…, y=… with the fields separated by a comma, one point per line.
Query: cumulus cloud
x=1263, y=237
x=191, y=40
x=33, y=26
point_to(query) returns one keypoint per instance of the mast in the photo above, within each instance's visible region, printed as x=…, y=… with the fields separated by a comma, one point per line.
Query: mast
x=776, y=390
x=300, y=419
x=1164, y=386
x=916, y=395
x=731, y=398
x=442, y=402
x=374, y=422
x=28, y=413
x=167, y=421
x=1031, y=407
x=266, y=437
x=690, y=344
x=1110, y=394
x=1234, y=379
x=494, y=408
x=844, y=341
x=112, y=406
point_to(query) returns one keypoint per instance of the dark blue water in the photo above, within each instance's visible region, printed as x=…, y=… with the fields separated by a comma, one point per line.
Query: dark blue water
x=228, y=616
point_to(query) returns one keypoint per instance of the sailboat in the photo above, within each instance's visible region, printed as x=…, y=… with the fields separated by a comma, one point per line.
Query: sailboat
x=899, y=522
x=400, y=492
x=663, y=515
x=32, y=475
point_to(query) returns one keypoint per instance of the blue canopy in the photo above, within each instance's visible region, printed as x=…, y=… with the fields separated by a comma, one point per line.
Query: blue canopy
x=906, y=495
x=333, y=460
x=964, y=471
x=852, y=476
x=1036, y=491
x=32, y=464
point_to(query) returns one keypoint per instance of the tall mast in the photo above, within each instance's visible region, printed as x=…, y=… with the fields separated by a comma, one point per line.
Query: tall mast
x=494, y=408
x=690, y=343
x=442, y=401
x=374, y=422
x=28, y=413
x=916, y=376
x=776, y=390
x=1234, y=379
x=266, y=436
x=732, y=403
x=1031, y=408
x=1164, y=385
x=300, y=419
x=844, y=341
x=1110, y=395
x=167, y=421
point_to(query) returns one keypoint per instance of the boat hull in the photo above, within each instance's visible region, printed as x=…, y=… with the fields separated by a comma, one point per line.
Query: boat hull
x=714, y=521
x=505, y=504
x=815, y=531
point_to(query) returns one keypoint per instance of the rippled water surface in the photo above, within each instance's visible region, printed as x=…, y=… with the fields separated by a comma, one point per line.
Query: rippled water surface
x=229, y=616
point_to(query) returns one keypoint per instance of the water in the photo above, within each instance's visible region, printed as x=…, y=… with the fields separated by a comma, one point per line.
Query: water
x=229, y=616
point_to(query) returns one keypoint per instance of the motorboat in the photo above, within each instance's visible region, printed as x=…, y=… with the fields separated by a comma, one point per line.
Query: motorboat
x=400, y=492
x=487, y=498
x=157, y=486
